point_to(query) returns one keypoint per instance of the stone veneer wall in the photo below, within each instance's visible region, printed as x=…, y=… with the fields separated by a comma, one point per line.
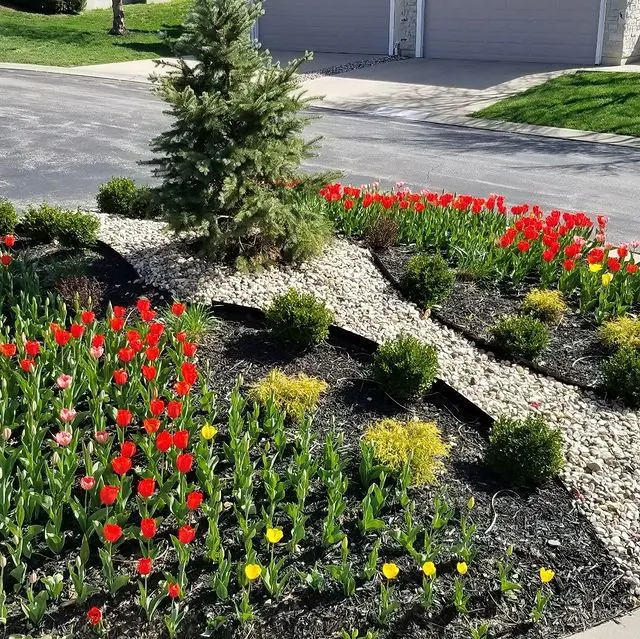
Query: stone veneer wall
x=621, y=32
x=405, y=27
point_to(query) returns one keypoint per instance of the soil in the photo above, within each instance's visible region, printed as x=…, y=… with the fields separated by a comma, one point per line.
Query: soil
x=574, y=354
x=543, y=526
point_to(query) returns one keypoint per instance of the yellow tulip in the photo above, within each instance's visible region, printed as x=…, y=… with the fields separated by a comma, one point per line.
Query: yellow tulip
x=208, y=431
x=471, y=503
x=606, y=279
x=252, y=571
x=274, y=535
x=594, y=268
x=429, y=569
x=390, y=571
x=546, y=575
x=462, y=567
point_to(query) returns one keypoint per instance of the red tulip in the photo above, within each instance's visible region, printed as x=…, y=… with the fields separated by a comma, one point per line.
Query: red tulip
x=152, y=353
x=632, y=268
x=62, y=337
x=76, y=330
x=189, y=372
x=8, y=350
x=126, y=354
x=27, y=365
x=184, y=462
x=146, y=487
x=148, y=372
x=128, y=449
x=94, y=615
x=116, y=324
x=143, y=304
x=121, y=465
x=614, y=264
x=147, y=316
x=181, y=439
x=182, y=388
x=189, y=349
x=111, y=532
x=181, y=336
x=9, y=240
x=164, y=441
x=156, y=406
x=133, y=336
x=156, y=328
x=186, y=534
x=5, y=259
x=174, y=409
x=119, y=312
x=32, y=348
x=173, y=590
x=523, y=246
x=123, y=417
x=97, y=341
x=144, y=566
x=568, y=265
x=135, y=345
x=194, y=500
x=178, y=309
x=87, y=317
x=148, y=528
x=120, y=377
x=152, y=339
x=151, y=425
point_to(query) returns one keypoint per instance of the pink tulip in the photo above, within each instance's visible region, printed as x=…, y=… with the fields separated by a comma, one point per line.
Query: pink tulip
x=96, y=351
x=67, y=415
x=102, y=437
x=64, y=381
x=63, y=438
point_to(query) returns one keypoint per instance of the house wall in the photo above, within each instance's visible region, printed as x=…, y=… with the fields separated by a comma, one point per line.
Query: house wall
x=405, y=27
x=621, y=42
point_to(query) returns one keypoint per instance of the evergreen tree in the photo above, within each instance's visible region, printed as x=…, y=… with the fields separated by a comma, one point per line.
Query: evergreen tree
x=236, y=145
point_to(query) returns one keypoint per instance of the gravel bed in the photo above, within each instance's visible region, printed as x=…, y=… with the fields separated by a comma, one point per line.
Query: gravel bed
x=602, y=439
x=337, y=69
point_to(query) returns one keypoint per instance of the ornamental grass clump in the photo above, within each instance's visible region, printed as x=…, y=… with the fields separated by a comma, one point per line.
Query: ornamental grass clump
x=548, y=306
x=621, y=376
x=298, y=395
x=419, y=444
x=525, y=452
x=622, y=332
x=299, y=319
x=8, y=217
x=427, y=279
x=405, y=367
x=520, y=335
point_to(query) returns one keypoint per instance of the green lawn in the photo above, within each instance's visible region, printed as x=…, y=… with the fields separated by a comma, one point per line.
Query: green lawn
x=592, y=101
x=68, y=40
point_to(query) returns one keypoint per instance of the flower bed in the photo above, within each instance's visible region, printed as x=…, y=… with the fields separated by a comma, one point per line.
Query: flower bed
x=93, y=427
x=499, y=254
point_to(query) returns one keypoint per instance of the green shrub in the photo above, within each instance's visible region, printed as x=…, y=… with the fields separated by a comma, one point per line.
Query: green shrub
x=299, y=318
x=621, y=376
x=297, y=395
x=405, y=367
x=427, y=279
x=621, y=332
x=520, y=336
x=525, y=451
x=8, y=217
x=396, y=443
x=120, y=196
x=71, y=228
x=548, y=306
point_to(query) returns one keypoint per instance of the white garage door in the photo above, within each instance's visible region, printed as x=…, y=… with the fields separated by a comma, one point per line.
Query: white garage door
x=326, y=26
x=563, y=31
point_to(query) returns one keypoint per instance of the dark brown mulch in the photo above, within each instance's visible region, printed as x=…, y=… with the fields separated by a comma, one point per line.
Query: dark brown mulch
x=543, y=525
x=574, y=354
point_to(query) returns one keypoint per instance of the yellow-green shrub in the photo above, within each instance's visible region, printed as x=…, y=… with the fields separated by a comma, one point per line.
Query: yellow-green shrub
x=297, y=395
x=546, y=305
x=622, y=332
x=397, y=442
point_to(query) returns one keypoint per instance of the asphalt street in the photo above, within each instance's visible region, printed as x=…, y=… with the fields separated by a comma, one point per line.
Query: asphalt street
x=61, y=136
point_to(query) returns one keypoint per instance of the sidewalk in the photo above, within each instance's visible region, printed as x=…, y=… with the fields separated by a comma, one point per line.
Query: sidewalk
x=627, y=627
x=435, y=91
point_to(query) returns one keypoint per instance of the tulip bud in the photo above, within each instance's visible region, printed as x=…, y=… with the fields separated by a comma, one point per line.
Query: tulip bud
x=55, y=459
x=33, y=577
x=78, y=562
x=6, y=433
x=3, y=562
x=90, y=448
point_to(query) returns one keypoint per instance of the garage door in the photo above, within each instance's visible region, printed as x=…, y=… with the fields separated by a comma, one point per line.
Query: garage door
x=326, y=26
x=563, y=31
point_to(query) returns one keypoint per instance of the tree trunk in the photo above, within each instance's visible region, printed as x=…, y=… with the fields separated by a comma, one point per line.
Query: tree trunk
x=118, y=27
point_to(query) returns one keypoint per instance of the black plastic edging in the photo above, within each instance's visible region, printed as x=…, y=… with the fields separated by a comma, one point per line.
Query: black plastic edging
x=252, y=314
x=482, y=342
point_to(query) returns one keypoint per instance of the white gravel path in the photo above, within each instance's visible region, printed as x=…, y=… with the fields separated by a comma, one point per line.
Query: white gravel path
x=602, y=440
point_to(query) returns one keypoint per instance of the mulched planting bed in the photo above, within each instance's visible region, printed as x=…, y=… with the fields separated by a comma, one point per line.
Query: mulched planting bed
x=574, y=354
x=543, y=525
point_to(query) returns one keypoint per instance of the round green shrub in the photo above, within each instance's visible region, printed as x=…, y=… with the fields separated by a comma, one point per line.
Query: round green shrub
x=547, y=305
x=405, y=367
x=8, y=217
x=299, y=318
x=526, y=452
x=427, y=279
x=621, y=375
x=520, y=336
x=118, y=196
x=46, y=223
